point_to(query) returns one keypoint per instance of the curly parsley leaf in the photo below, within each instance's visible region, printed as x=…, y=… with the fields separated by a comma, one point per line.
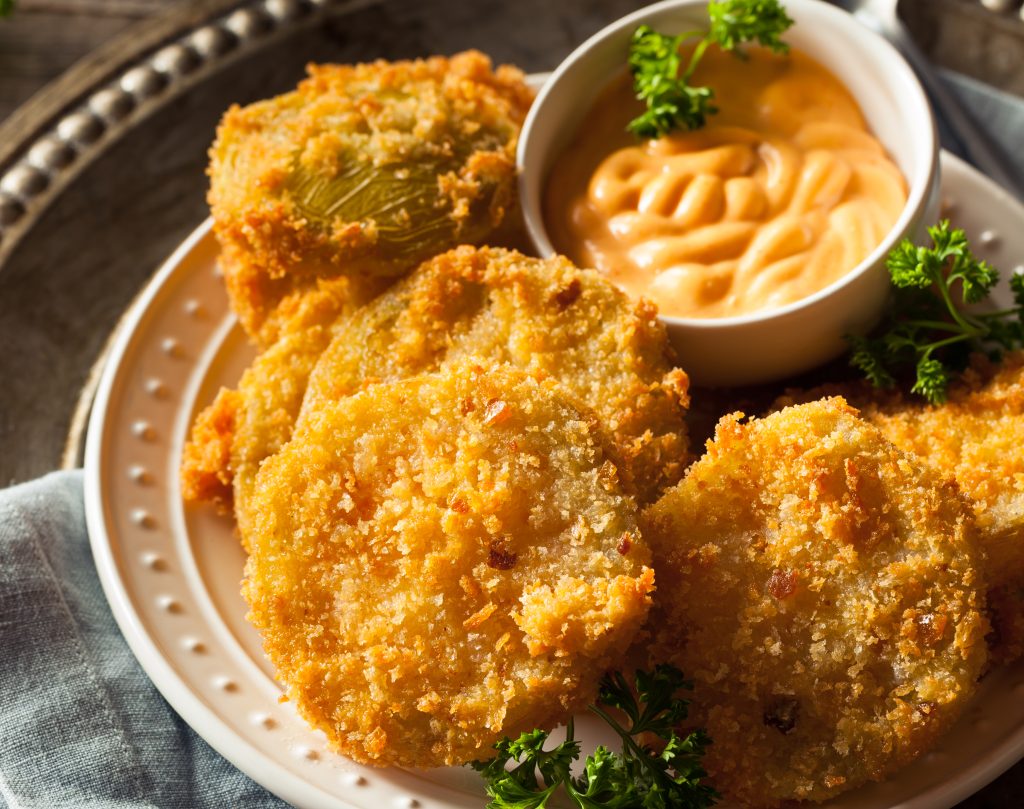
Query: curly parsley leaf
x=932, y=379
x=734, y=22
x=6, y=7
x=1017, y=288
x=516, y=787
x=929, y=330
x=868, y=357
x=655, y=62
x=523, y=775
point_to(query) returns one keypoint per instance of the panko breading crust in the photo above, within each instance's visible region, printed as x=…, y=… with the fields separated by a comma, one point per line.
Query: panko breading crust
x=822, y=590
x=232, y=436
x=544, y=316
x=977, y=436
x=441, y=561
x=277, y=302
x=362, y=170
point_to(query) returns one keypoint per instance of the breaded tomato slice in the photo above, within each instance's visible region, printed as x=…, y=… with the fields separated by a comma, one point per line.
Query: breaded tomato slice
x=548, y=317
x=442, y=561
x=822, y=590
x=234, y=434
x=545, y=316
x=976, y=436
x=362, y=170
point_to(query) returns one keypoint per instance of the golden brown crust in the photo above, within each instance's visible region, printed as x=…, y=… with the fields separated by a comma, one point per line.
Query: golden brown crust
x=279, y=300
x=544, y=316
x=206, y=460
x=439, y=562
x=822, y=590
x=977, y=436
x=232, y=436
x=362, y=170
x=547, y=317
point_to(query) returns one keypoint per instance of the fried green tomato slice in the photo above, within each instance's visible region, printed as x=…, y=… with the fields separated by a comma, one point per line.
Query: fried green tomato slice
x=232, y=436
x=362, y=170
x=822, y=590
x=442, y=561
x=976, y=436
x=544, y=316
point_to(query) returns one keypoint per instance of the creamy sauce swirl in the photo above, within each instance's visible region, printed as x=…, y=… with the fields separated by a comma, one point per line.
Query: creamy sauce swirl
x=784, y=192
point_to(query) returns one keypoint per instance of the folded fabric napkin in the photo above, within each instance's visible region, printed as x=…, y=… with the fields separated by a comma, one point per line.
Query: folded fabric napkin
x=81, y=726
x=1001, y=114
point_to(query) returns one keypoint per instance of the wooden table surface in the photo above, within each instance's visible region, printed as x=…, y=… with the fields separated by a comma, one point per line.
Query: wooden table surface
x=45, y=37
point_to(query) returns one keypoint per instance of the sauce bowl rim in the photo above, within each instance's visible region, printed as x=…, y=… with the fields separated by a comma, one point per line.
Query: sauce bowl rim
x=897, y=69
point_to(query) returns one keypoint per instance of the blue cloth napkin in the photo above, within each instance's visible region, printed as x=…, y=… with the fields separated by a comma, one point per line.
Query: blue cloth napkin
x=81, y=726
x=1001, y=113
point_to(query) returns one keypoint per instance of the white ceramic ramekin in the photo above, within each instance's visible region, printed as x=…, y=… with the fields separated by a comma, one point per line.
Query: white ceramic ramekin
x=780, y=342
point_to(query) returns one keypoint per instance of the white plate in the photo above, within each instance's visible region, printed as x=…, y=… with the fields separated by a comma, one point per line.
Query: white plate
x=172, y=573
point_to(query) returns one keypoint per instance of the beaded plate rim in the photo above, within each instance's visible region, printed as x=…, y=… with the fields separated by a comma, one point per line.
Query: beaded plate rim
x=33, y=176
x=128, y=517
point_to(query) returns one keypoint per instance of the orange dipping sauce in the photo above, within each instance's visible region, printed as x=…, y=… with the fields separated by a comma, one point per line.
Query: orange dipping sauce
x=782, y=193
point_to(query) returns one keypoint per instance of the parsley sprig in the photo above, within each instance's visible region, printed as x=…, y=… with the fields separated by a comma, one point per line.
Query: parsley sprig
x=6, y=7
x=655, y=61
x=524, y=775
x=929, y=327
